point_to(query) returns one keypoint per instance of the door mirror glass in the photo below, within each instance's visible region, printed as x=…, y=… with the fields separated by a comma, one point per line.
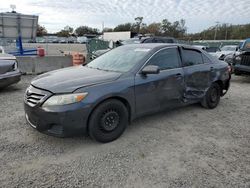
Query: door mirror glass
x=150, y=69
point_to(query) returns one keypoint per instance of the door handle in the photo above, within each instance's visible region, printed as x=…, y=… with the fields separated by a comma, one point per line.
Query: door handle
x=211, y=68
x=178, y=75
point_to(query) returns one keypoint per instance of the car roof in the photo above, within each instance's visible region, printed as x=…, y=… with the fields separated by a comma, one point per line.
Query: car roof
x=7, y=57
x=230, y=46
x=161, y=45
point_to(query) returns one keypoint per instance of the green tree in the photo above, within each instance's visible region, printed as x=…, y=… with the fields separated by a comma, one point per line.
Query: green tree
x=154, y=28
x=107, y=30
x=82, y=30
x=138, y=23
x=66, y=32
x=124, y=27
x=41, y=31
x=176, y=29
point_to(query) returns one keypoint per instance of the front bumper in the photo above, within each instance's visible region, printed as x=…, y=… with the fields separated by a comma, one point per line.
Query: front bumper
x=63, y=121
x=9, y=78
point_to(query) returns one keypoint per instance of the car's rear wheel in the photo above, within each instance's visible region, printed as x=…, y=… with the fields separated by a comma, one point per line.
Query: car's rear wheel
x=108, y=121
x=212, y=97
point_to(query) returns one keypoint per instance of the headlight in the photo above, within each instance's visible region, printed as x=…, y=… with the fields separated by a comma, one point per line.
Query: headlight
x=15, y=66
x=238, y=58
x=58, y=100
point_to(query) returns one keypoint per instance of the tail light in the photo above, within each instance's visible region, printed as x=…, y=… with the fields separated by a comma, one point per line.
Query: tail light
x=229, y=69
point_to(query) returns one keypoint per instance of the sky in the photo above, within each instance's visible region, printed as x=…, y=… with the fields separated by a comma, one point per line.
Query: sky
x=199, y=14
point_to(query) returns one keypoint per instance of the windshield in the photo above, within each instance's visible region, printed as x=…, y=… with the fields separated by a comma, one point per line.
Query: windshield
x=246, y=45
x=228, y=48
x=121, y=59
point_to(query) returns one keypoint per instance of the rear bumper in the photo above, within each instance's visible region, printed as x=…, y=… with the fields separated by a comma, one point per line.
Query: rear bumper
x=67, y=121
x=9, y=78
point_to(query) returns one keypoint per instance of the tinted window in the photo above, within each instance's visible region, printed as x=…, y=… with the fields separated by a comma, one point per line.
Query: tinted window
x=150, y=40
x=168, y=40
x=166, y=59
x=158, y=41
x=192, y=57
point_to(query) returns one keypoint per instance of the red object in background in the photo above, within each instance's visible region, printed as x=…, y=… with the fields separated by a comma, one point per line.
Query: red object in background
x=40, y=52
x=78, y=59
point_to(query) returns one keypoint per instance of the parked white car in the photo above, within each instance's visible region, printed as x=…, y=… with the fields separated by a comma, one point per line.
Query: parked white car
x=82, y=40
x=225, y=51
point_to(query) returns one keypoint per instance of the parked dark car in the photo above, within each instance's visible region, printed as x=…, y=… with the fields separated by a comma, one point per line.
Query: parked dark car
x=130, y=81
x=137, y=40
x=241, y=59
x=9, y=73
x=159, y=40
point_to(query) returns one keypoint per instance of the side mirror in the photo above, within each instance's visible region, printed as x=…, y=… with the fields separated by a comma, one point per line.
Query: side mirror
x=150, y=69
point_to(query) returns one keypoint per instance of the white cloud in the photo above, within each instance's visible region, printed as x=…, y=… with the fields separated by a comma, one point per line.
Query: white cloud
x=54, y=15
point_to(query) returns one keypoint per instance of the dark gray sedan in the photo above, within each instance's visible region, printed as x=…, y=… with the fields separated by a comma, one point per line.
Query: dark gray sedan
x=130, y=81
x=9, y=73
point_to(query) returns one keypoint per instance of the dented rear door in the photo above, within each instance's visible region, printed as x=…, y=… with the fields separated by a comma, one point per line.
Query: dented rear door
x=197, y=74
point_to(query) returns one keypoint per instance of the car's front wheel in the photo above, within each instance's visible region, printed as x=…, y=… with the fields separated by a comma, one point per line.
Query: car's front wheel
x=108, y=121
x=212, y=97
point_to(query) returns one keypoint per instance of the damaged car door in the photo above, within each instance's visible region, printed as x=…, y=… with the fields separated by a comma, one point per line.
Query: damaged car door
x=161, y=90
x=197, y=74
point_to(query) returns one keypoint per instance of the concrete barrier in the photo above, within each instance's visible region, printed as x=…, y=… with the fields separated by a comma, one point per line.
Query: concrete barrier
x=38, y=65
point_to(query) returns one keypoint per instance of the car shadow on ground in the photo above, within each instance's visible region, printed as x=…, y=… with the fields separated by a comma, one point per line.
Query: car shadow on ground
x=12, y=88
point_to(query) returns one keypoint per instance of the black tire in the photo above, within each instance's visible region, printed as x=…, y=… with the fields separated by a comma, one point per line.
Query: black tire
x=108, y=121
x=212, y=97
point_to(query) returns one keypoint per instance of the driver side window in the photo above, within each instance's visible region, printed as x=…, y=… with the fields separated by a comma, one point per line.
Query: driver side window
x=166, y=59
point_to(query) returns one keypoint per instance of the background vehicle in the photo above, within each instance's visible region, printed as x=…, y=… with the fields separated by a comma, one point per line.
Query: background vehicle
x=9, y=73
x=121, y=85
x=82, y=40
x=159, y=40
x=137, y=40
x=226, y=50
x=241, y=60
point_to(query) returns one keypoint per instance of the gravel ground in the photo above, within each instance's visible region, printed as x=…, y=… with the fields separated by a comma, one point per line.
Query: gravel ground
x=54, y=49
x=186, y=147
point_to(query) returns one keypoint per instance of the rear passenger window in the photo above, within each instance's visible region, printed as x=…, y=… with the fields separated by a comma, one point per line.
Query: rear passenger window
x=192, y=57
x=206, y=59
x=166, y=59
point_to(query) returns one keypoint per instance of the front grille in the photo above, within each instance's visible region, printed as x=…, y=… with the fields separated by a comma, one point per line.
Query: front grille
x=33, y=96
x=245, y=60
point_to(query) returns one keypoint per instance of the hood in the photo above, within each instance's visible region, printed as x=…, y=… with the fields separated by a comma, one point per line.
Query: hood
x=218, y=54
x=69, y=79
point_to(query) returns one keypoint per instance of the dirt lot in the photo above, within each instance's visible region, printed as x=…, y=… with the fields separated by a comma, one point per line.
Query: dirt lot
x=187, y=147
x=56, y=49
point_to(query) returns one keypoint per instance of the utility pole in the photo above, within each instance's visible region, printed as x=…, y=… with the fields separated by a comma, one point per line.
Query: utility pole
x=216, y=27
x=102, y=29
x=226, y=31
